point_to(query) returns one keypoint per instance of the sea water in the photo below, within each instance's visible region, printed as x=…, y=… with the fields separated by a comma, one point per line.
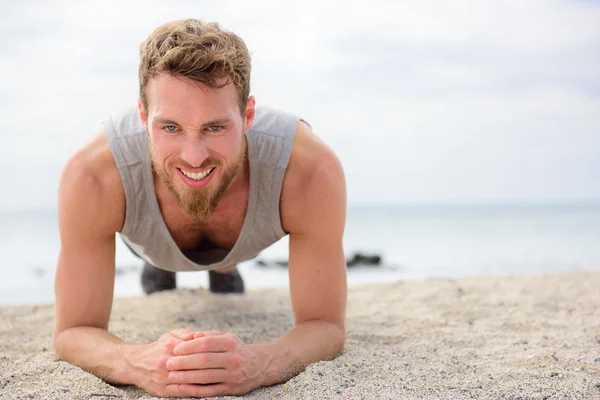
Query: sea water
x=415, y=242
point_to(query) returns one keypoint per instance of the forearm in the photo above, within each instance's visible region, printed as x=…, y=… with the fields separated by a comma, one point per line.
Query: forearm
x=307, y=343
x=96, y=351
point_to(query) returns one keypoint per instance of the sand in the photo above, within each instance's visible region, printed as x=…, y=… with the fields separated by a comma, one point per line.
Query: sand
x=529, y=337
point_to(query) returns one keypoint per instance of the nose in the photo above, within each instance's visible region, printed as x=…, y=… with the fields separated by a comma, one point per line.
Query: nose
x=194, y=151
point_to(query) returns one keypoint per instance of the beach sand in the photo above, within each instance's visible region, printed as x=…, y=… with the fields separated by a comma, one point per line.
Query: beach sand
x=530, y=337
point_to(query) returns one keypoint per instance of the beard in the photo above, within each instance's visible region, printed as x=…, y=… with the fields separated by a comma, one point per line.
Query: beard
x=200, y=203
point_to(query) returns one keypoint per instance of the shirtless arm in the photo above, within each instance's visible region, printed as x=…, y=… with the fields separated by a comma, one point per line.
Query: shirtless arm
x=91, y=205
x=317, y=269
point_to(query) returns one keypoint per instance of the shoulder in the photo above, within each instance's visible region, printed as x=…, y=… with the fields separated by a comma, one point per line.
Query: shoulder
x=90, y=187
x=314, y=185
x=273, y=121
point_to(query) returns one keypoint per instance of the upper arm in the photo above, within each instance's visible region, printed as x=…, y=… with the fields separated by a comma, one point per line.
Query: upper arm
x=314, y=214
x=90, y=213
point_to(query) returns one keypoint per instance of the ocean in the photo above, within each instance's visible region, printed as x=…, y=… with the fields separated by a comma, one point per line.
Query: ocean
x=414, y=242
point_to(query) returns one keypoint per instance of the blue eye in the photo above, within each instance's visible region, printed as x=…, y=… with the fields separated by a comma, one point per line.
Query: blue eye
x=170, y=128
x=215, y=128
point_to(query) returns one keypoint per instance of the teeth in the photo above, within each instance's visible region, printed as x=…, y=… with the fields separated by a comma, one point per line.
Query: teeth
x=196, y=176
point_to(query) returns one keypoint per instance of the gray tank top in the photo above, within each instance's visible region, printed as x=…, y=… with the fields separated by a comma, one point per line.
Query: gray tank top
x=269, y=148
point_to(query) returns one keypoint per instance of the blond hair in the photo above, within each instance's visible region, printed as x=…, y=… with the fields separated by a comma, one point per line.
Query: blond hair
x=203, y=52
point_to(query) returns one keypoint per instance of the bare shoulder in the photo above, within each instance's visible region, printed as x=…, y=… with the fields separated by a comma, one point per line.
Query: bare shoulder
x=314, y=185
x=91, y=189
x=91, y=204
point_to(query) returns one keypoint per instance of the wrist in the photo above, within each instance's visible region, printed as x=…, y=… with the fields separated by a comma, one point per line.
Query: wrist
x=268, y=371
x=127, y=368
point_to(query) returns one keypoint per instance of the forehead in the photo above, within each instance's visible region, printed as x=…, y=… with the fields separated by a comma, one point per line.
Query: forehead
x=181, y=97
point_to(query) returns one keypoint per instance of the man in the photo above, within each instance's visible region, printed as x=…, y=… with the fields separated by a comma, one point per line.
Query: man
x=198, y=178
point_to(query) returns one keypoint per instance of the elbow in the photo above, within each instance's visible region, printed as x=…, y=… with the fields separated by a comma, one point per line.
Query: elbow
x=61, y=341
x=57, y=343
x=337, y=336
x=341, y=339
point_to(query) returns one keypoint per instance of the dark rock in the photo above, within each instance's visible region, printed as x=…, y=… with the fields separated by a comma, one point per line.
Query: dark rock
x=553, y=374
x=364, y=259
x=357, y=259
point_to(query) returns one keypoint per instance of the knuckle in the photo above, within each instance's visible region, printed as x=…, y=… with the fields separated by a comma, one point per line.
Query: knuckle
x=235, y=360
x=172, y=391
x=159, y=378
x=161, y=363
x=169, y=344
x=155, y=376
x=231, y=339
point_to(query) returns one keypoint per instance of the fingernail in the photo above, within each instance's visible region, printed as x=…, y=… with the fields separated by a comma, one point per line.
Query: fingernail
x=173, y=376
x=170, y=364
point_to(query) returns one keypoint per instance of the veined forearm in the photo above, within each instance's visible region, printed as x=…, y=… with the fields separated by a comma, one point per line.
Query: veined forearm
x=96, y=351
x=307, y=343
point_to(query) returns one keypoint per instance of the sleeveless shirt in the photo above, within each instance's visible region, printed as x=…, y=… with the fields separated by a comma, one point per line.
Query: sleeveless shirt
x=145, y=232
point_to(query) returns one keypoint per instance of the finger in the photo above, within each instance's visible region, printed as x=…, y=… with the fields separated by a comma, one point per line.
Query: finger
x=188, y=336
x=207, y=333
x=215, y=390
x=181, y=333
x=173, y=390
x=201, y=361
x=200, y=377
x=204, y=344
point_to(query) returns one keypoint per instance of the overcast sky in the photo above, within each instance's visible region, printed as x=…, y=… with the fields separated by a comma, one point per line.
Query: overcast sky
x=423, y=101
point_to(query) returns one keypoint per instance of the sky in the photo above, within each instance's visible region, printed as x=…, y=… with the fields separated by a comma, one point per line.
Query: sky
x=423, y=101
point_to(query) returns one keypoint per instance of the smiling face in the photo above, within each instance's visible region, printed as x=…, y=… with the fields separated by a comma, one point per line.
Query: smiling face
x=197, y=139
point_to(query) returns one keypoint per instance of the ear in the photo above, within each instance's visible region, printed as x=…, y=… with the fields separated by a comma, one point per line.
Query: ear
x=143, y=115
x=249, y=114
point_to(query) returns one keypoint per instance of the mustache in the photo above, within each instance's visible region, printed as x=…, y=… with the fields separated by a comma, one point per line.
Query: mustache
x=205, y=164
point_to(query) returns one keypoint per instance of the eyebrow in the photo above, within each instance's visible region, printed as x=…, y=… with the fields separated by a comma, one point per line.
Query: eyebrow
x=219, y=121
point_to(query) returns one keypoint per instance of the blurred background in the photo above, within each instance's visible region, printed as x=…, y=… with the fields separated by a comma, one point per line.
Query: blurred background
x=469, y=131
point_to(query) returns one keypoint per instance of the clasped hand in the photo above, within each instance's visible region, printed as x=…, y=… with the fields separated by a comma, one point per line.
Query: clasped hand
x=183, y=363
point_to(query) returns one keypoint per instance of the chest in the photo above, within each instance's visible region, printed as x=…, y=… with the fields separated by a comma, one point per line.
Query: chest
x=222, y=231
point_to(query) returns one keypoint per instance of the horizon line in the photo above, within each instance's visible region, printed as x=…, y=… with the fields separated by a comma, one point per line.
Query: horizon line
x=409, y=204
